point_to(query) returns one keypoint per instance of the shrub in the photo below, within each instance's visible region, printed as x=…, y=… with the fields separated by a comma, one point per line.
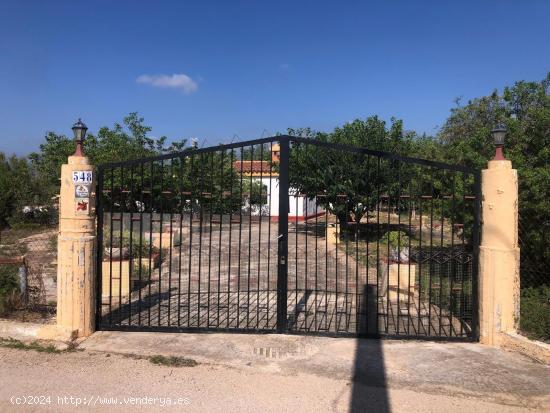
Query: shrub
x=29, y=216
x=35, y=345
x=9, y=287
x=137, y=249
x=173, y=361
x=399, y=245
x=535, y=312
x=397, y=239
x=52, y=242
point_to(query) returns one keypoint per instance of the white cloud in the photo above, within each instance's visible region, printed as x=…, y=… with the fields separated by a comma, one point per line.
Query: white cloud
x=176, y=81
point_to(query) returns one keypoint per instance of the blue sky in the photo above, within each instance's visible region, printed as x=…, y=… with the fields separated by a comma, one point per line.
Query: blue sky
x=245, y=67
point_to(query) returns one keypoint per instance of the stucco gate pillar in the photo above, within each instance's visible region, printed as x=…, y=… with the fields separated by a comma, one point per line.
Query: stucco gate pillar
x=76, y=244
x=499, y=252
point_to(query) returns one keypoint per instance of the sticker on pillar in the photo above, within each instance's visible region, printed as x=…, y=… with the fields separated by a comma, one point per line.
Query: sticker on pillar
x=82, y=177
x=82, y=191
x=82, y=206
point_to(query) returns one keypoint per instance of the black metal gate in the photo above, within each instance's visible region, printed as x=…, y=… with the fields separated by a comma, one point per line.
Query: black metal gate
x=292, y=235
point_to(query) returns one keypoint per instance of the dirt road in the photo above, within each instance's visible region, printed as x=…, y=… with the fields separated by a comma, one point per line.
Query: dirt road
x=245, y=373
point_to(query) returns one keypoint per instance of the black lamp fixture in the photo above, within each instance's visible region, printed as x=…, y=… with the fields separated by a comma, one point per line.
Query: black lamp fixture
x=499, y=135
x=79, y=130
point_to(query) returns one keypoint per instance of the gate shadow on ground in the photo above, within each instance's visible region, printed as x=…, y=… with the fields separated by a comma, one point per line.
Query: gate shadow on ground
x=369, y=392
x=122, y=314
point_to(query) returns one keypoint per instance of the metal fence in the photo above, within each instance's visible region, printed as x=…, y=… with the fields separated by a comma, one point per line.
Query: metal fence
x=534, y=243
x=290, y=235
x=28, y=270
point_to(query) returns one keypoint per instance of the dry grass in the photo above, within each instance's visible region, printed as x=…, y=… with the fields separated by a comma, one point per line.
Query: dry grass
x=173, y=361
x=34, y=346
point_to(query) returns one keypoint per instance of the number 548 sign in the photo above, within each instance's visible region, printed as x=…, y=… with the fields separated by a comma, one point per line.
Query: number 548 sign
x=82, y=177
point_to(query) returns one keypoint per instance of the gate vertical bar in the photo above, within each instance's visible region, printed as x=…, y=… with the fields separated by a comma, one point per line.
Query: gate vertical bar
x=475, y=252
x=99, y=250
x=282, y=265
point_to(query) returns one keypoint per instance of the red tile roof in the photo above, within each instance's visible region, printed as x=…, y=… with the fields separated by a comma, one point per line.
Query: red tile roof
x=255, y=167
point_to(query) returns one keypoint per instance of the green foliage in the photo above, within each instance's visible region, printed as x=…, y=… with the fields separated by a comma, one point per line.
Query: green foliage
x=535, y=312
x=173, y=361
x=137, y=250
x=52, y=242
x=435, y=284
x=34, y=181
x=9, y=286
x=122, y=142
x=195, y=182
x=525, y=110
x=31, y=215
x=34, y=346
x=353, y=185
x=137, y=269
x=256, y=193
x=350, y=184
x=8, y=279
x=257, y=153
x=397, y=239
x=18, y=187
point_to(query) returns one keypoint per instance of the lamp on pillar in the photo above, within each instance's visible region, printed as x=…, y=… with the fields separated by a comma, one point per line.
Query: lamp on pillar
x=79, y=130
x=499, y=134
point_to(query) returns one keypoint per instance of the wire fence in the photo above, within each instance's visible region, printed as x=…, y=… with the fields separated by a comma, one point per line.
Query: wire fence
x=534, y=240
x=28, y=269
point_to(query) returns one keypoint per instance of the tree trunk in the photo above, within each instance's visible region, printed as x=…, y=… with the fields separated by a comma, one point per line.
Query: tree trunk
x=343, y=219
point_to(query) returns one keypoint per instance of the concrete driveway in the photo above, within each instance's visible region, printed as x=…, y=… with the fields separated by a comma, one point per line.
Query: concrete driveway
x=277, y=373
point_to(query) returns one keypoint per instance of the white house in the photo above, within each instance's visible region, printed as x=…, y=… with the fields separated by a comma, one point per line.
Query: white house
x=300, y=207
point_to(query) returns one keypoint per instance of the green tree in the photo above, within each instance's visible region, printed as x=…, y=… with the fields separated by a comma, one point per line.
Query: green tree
x=524, y=108
x=122, y=142
x=257, y=152
x=18, y=187
x=191, y=180
x=349, y=184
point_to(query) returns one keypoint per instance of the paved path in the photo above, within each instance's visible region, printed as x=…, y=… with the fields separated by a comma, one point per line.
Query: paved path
x=225, y=276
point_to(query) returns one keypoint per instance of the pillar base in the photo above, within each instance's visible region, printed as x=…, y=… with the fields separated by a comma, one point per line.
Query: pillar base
x=56, y=333
x=499, y=293
x=76, y=283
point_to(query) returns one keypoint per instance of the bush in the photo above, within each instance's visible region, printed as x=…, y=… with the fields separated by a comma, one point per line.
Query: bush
x=9, y=287
x=29, y=216
x=535, y=312
x=137, y=250
x=398, y=239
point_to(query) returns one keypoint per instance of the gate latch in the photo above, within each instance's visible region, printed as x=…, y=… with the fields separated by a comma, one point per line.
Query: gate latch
x=282, y=260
